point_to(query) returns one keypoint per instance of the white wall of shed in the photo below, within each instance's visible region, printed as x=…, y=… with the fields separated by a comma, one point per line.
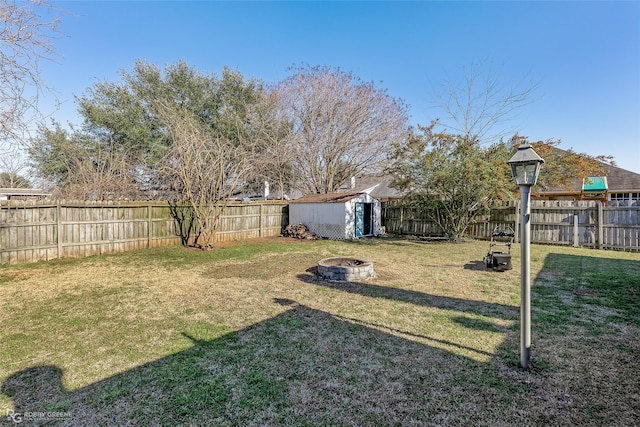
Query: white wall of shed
x=350, y=219
x=377, y=218
x=350, y=215
x=323, y=219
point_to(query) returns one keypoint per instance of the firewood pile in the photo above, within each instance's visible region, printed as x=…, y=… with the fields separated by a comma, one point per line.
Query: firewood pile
x=298, y=231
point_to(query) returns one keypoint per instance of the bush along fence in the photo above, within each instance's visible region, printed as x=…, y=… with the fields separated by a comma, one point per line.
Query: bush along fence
x=34, y=231
x=562, y=222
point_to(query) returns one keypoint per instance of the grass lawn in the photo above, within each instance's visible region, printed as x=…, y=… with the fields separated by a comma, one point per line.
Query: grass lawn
x=246, y=335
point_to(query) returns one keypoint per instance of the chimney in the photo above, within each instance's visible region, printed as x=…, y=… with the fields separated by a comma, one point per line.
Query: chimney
x=266, y=189
x=353, y=182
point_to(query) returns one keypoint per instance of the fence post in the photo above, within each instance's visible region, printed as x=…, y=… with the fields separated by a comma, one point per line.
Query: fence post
x=576, y=238
x=59, y=228
x=600, y=225
x=260, y=221
x=517, y=225
x=149, y=224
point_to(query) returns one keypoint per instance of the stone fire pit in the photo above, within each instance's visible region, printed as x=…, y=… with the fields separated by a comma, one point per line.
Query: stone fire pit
x=345, y=269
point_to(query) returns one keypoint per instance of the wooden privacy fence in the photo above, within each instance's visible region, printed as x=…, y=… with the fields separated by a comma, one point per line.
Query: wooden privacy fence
x=34, y=231
x=562, y=222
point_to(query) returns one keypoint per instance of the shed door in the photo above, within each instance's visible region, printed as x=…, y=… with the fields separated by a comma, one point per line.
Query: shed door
x=364, y=219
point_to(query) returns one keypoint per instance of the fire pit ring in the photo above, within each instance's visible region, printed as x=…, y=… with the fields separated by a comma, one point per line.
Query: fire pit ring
x=345, y=269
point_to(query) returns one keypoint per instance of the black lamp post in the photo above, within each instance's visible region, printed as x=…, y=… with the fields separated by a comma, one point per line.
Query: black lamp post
x=525, y=167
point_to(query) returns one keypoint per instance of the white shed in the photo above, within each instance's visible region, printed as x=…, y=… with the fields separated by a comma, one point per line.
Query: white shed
x=338, y=216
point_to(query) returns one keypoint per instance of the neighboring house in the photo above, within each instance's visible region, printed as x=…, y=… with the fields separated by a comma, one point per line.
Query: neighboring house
x=621, y=187
x=268, y=193
x=378, y=186
x=23, y=194
x=338, y=216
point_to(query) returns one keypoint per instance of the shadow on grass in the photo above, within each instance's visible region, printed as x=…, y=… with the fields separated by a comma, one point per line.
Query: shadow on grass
x=302, y=367
x=421, y=336
x=414, y=297
x=477, y=266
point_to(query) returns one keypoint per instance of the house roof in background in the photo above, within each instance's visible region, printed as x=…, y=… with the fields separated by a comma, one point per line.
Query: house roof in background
x=23, y=192
x=622, y=180
x=378, y=186
x=618, y=180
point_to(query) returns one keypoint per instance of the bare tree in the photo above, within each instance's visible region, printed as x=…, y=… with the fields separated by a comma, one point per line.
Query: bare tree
x=12, y=170
x=341, y=124
x=204, y=166
x=273, y=140
x=98, y=176
x=77, y=167
x=11, y=180
x=26, y=38
x=479, y=105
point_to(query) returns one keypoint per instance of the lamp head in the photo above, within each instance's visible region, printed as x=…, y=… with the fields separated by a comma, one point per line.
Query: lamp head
x=525, y=165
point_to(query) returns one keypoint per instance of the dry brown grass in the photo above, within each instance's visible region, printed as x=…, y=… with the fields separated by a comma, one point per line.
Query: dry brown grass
x=247, y=335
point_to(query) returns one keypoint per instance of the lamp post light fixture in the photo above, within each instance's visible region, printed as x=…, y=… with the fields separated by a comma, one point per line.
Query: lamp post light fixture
x=525, y=167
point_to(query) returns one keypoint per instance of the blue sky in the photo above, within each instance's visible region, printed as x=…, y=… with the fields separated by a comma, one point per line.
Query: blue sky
x=584, y=55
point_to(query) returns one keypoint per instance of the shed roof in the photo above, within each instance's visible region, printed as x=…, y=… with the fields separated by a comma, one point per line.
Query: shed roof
x=327, y=198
